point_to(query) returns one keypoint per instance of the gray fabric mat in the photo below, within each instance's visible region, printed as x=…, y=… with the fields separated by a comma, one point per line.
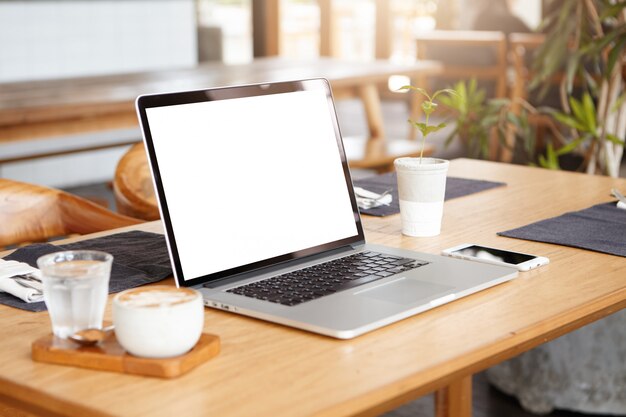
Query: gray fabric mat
x=139, y=258
x=455, y=187
x=600, y=228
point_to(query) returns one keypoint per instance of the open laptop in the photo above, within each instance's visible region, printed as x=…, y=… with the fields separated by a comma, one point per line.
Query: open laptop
x=260, y=215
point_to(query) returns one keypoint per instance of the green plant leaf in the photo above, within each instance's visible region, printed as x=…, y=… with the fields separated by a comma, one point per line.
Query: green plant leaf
x=613, y=10
x=615, y=139
x=428, y=129
x=448, y=91
x=499, y=102
x=569, y=147
x=572, y=66
x=429, y=107
x=590, y=112
x=417, y=89
x=615, y=53
x=568, y=120
x=550, y=161
x=598, y=44
x=590, y=80
x=489, y=120
x=484, y=146
x=577, y=109
x=618, y=102
x=513, y=119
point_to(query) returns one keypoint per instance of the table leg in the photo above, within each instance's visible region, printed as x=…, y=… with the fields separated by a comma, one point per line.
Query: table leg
x=455, y=400
x=374, y=114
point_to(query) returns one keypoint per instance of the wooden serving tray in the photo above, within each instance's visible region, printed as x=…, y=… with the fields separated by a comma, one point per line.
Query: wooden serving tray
x=108, y=355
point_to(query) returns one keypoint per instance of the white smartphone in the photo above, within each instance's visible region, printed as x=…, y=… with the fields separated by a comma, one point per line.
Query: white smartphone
x=471, y=252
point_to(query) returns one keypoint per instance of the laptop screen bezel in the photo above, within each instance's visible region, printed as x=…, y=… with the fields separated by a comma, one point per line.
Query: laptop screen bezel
x=144, y=102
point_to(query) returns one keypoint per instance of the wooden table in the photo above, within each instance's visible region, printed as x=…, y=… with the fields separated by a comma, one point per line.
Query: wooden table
x=68, y=107
x=266, y=369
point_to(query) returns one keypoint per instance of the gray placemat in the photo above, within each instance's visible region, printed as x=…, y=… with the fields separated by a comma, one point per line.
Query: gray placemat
x=139, y=258
x=601, y=228
x=455, y=187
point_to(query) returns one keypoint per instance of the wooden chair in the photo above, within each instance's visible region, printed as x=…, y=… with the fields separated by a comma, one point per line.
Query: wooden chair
x=464, y=55
x=32, y=213
x=521, y=48
x=132, y=185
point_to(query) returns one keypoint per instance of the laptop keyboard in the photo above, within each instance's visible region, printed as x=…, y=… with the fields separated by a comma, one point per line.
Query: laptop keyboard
x=327, y=278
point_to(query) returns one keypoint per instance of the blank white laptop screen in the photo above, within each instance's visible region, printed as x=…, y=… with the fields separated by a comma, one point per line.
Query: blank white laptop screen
x=248, y=179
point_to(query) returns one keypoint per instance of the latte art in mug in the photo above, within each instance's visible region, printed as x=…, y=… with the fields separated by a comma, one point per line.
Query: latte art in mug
x=158, y=321
x=156, y=297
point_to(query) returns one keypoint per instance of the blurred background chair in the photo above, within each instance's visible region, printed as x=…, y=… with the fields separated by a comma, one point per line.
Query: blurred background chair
x=32, y=213
x=132, y=185
x=522, y=50
x=465, y=55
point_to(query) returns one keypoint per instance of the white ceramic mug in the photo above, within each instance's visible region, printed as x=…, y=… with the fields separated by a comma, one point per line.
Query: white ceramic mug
x=158, y=321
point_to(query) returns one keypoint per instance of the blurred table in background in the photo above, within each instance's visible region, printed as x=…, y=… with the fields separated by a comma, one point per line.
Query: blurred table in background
x=67, y=107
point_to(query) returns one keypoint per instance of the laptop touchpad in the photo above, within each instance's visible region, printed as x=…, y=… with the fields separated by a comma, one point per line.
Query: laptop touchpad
x=405, y=291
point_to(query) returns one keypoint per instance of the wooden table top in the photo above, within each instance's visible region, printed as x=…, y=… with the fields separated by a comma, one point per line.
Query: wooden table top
x=266, y=369
x=48, y=100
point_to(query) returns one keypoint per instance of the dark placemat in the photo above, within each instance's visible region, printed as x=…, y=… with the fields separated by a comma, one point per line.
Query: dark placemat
x=600, y=228
x=138, y=258
x=455, y=187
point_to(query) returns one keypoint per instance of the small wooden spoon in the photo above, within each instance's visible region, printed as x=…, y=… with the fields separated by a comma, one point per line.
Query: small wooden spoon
x=90, y=337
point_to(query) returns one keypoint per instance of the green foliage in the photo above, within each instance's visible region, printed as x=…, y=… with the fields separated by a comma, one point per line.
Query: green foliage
x=427, y=130
x=584, y=119
x=428, y=106
x=571, y=26
x=477, y=118
x=550, y=160
x=585, y=42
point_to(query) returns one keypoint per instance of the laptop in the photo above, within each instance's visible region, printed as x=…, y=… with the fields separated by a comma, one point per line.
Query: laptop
x=260, y=214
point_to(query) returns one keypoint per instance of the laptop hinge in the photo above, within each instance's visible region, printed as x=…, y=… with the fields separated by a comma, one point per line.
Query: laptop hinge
x=358, y=245
x=291, y=263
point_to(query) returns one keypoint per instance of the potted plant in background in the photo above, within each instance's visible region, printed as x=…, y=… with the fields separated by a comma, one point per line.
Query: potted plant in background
x=422, y=181
x=586, y=41
x=482, y=124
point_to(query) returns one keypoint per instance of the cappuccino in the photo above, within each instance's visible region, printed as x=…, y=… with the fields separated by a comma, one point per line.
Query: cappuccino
x=160, y=296
x=158, y=321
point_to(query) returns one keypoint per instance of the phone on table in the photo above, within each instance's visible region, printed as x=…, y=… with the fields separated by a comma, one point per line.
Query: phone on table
x=472, y=252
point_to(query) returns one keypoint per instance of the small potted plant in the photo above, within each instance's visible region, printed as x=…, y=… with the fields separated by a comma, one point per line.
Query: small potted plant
x=422, y=181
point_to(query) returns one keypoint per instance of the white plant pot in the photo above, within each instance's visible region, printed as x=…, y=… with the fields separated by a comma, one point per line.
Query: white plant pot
x=421, y=187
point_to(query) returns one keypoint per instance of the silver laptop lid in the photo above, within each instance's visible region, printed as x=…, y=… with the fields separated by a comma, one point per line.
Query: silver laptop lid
x=248, y=176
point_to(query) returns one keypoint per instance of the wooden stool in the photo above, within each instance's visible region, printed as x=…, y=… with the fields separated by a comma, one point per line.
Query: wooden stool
x=32, y=213
x=132, y=185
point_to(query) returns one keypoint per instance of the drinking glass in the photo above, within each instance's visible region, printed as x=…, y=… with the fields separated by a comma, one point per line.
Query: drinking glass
x=75, y=289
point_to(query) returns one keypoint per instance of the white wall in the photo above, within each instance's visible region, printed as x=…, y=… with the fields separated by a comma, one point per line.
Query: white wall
x=43, y=39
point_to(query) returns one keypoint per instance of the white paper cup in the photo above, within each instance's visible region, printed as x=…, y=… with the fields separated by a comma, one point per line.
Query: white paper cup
x=158, y=321
x=421, y=189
